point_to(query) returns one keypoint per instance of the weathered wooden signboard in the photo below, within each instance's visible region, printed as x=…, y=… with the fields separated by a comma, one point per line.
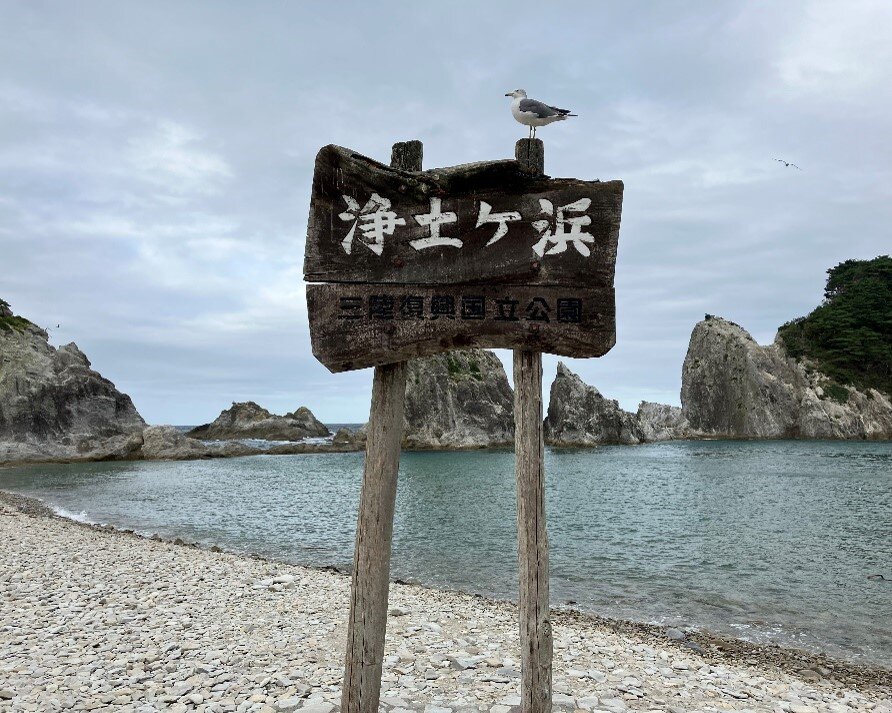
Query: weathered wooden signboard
x=486, y=254
x=405, y=263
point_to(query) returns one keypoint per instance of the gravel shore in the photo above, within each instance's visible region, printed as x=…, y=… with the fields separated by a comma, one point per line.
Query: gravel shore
x=94, y=619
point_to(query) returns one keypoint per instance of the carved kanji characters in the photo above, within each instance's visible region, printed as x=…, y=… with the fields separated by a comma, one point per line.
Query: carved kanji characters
x=485, y=215
x=506, y=310
x=350, y=308
x=375, y=220
x=473, y=307
x=559, y=235
x=412, y=307
x=381, y=307
x=569, y=310
x=435, y=219
x=537, y=310
x=443, y=306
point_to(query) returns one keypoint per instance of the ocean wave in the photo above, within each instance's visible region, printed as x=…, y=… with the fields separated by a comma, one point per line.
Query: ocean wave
x=76, y=516
x=264, y=444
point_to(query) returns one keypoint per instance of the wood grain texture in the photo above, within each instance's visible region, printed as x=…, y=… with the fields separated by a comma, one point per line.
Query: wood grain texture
x=530, y=153
x=357, y=326
x=532, y=538
x=536, y=642
x=374, y=531
x=407, y=155
x=367, y=622
x=505, y=186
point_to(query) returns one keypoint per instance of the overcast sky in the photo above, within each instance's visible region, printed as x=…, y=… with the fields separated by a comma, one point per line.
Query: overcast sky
x=156, y=159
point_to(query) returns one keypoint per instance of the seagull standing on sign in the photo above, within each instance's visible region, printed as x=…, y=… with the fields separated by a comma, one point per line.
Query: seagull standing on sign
x=532, y=113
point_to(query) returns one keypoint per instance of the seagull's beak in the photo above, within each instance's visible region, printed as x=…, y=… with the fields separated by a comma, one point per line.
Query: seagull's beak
x=510, y=94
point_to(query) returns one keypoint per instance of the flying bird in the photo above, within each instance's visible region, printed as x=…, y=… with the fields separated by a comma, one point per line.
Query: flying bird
x=788, y=163
x=532, y=113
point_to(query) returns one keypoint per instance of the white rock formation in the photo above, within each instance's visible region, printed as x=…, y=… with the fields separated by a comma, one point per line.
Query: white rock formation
x=578, y=415
x=457, y=400
x=733, y=387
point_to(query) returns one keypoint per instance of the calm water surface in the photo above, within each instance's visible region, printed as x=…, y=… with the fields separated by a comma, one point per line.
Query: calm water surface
x=763, y=540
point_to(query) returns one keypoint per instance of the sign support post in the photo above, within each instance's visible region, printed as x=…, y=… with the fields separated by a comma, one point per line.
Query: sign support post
x=532, y=539
x=370, y=583
x=404, y=263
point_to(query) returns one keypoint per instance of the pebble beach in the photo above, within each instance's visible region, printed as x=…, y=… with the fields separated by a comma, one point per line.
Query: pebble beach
x=95, y=619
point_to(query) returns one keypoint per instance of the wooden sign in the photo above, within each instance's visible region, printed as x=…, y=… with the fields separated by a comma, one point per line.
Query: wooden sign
x=413, y=263
x=486, y=254
x=355, y=326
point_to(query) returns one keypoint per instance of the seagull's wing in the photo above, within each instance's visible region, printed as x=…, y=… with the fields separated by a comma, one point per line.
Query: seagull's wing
x=565, y=112
x=795, y=166
x=541, y=110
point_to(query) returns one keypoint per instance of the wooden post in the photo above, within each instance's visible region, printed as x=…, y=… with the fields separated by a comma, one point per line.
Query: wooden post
x=530, y=153
x=532, y=539
x=374, y=529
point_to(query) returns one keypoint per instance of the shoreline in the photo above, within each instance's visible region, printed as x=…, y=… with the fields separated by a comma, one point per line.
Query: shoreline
x=703, y=649
x=297, y=448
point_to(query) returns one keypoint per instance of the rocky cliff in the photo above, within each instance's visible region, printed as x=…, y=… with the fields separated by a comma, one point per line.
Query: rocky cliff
x=661, y=422
x=460, y=399
x=733, y=387
x=51, y=400
x=248, y=420
x=578, y=415
x=54, y=407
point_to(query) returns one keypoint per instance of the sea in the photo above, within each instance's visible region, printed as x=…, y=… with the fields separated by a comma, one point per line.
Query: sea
x=771, y=541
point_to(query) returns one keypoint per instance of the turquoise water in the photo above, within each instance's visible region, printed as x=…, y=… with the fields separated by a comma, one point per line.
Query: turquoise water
x=763, y=540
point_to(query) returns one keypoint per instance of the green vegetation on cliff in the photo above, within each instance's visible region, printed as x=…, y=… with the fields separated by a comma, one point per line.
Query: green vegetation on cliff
x=456, y=368
x=9, y=321
x=849, y=337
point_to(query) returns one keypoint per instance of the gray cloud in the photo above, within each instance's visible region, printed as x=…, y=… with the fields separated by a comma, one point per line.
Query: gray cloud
x=155, y=163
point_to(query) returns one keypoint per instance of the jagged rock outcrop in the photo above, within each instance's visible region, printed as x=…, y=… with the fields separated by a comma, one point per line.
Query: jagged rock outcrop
x=456, y=400
x=578, y=415
x=346, y=437
x=661, y=422
x=55, y=408
x=168, y=443
x=733, y=387
x=52, y=404
x=248, y=420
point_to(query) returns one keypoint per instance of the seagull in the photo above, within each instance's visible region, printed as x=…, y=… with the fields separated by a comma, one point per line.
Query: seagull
x=787, y=163
x=534, y=113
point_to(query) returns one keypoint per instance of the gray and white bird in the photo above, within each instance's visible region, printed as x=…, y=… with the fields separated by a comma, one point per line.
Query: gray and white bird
x=532, y=113
x=787, y=163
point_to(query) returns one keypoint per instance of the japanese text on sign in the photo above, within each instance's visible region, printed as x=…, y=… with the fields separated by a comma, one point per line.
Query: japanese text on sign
x=560, y=227
x=564, y=310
